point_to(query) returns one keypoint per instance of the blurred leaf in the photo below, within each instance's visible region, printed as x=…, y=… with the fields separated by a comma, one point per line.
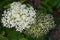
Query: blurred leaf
x=23, y=38
x=3, y=38
x=47, y=5
x=7, y=6
x=12, y=34
x=58, y=4
x=22, y=1
x=28, y=5
x=3, y=33
x=5, y=2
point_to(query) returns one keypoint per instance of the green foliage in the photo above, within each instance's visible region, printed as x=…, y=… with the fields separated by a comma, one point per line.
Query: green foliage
x=22, y=38
x=22, y=1
x=58, y=5
x=3, y=38
x=7, y=6
x=4, y=2
x=47, y=5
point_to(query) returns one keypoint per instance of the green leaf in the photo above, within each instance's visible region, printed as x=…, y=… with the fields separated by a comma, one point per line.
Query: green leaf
x=3, y=38
x=5, y=2
x=7, y=6
x=23, y=38
x=28, y=5
x=22, y=1
x=13, y=35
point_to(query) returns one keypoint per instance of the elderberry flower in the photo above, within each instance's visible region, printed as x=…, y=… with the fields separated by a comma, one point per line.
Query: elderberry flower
x=44, y=23
x=19, y=16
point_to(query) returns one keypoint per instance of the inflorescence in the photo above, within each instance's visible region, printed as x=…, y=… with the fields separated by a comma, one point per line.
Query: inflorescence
x=45, y=23
x=19, y=16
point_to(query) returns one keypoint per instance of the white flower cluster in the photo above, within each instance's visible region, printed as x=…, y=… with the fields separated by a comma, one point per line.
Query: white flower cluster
x=18, y=16
x=45, y=23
